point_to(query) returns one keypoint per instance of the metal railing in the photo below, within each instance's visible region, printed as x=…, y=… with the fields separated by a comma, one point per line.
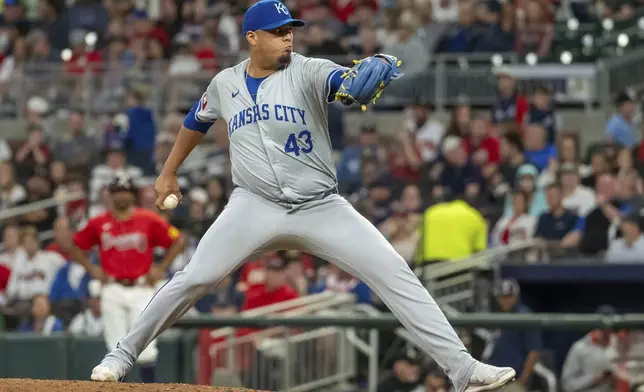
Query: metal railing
x=549, y=321
x=627, y=368
x=619, y=73
x=286, y=359
x=41, y=204
x=455, y=284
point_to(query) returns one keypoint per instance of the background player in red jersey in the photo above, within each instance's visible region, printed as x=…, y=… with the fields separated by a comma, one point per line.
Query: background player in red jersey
x=126, y=237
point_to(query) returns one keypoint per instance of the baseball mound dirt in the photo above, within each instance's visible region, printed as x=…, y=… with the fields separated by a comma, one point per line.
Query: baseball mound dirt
x=28, y=385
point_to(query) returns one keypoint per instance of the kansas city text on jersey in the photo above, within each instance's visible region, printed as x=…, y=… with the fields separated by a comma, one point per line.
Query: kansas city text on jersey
x=264, y=112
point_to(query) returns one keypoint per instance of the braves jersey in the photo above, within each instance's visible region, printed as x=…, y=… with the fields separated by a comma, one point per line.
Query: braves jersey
x=125, y=246
x=279, y=143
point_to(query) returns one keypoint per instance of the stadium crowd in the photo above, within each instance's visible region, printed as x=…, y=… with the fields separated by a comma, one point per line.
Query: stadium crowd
x=488, y=178
x=46, y=44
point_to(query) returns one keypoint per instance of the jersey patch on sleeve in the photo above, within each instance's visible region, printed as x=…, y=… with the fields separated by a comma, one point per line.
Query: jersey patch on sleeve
x=173, y=233
x=193, y=121
x=203, y=104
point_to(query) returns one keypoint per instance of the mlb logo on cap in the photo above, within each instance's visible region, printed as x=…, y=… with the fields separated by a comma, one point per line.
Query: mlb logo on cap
x=268, y=15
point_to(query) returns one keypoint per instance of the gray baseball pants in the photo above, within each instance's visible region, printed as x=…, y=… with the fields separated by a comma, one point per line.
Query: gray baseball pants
x=329, y=228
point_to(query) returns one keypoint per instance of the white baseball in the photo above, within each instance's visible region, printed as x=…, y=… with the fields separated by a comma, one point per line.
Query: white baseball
x=171, y=202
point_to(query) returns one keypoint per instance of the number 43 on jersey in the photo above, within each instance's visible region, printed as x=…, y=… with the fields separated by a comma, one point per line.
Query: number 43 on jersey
x=300, y=143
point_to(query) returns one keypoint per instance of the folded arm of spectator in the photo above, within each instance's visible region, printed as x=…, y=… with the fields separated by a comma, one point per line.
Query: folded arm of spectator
x=572, y=239
x=609, y=210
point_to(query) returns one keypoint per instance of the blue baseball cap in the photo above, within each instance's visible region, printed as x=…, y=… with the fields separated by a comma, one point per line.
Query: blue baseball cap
x=268, y=15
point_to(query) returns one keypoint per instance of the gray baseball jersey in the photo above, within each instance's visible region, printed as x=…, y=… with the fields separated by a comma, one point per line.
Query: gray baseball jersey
x=279, y=145
x=281, y=157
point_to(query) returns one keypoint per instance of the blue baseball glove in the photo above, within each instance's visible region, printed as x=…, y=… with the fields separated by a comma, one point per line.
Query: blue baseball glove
x=364, y=82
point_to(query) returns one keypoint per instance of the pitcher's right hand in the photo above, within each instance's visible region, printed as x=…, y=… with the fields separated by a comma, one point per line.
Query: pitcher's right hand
x=166, y=184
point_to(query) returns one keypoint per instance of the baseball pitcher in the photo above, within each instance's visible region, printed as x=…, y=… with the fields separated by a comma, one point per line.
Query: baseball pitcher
x=285, y=196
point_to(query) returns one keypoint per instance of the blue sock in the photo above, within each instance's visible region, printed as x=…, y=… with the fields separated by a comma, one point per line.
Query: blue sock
x=147, y=373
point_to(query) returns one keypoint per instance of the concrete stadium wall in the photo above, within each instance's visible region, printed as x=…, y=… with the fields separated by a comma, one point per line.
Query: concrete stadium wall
x=64, y=357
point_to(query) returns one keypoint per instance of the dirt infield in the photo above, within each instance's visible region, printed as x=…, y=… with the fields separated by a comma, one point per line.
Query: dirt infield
x=28, y=385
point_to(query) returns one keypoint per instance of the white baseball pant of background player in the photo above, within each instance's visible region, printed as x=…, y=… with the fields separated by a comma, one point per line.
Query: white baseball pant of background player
x=120, y=307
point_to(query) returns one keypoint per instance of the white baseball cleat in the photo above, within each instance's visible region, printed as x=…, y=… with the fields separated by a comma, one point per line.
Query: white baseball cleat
x=103, y=373
x=487, y=377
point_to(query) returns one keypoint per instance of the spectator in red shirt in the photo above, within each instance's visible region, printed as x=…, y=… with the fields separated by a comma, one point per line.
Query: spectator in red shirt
x=484, y=149
x=275, y=288
x=252, y=274
x=5, y=273
x=144, y=28
x=343, y=9
x=206, y=55
x=82, y=59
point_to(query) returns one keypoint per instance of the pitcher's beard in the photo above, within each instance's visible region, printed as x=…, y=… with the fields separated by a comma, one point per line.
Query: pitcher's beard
x=284, y=60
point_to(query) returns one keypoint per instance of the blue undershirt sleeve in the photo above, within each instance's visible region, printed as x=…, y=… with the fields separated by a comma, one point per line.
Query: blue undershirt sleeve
x=333, y=83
